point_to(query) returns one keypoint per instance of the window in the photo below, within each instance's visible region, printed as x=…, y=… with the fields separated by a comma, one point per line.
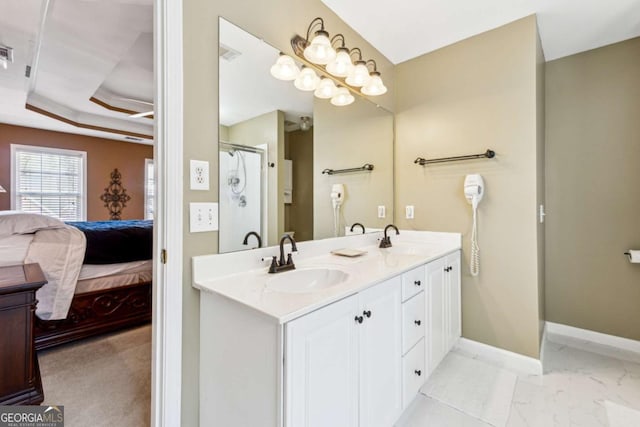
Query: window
x=49, y=181
x=149, y=188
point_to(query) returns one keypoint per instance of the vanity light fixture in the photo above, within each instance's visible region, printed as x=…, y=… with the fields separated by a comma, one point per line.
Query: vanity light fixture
x=374, y=86
x=307, y=80
x=342, y=97
x=326, y=89
x=319, y=51
x=341, y=76
x=285, y=68
x=359, y=75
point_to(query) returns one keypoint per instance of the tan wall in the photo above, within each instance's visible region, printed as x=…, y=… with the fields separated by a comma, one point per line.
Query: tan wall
x=299, y=149
x=275, y=21
x=476, y=94
x=346, y=138
x=593, y=201
x=267, y=129
x=103, y=155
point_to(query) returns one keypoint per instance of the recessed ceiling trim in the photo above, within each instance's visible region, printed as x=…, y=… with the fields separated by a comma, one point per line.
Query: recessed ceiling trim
x=33, y=71
x=84, y=125
x=108, y=106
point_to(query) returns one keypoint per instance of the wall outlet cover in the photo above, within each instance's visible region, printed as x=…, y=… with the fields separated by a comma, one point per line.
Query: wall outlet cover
x=409, y=211
x=203, y=217
x=382, y=211
x=199, y=175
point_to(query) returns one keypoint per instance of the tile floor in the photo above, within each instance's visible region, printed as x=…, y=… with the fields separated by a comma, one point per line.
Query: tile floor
x=584, y=385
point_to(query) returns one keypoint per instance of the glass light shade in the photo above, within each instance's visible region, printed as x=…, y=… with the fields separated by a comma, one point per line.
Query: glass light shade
x=342, y=97
x=320, y=50
x=374, y=86
x=326, y=89
x=285, y=68
x=359, y=76
x=307, y=80
x=341, y=66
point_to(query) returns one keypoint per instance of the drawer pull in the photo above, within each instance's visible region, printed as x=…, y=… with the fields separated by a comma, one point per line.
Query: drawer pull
x=418, y=372
x=367, y=313
x=417, y=322
x=417, y=283
x=359, y=319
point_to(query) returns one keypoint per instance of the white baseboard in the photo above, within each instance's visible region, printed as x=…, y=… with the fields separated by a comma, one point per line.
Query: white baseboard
x=619, y=343
x=504, y=358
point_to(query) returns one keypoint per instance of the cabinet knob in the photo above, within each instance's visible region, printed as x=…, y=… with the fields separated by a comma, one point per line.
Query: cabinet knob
x=418, y=372
x=448, y=269
x=367, y=313
x=417, y=322
x=359, y=319
x=417, y=283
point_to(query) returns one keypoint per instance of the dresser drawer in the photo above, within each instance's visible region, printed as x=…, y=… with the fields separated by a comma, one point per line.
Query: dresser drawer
x=412, y=321
x=413, y=373
x=413, y=281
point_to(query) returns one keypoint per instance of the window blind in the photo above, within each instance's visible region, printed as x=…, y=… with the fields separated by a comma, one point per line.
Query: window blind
x=50, y=182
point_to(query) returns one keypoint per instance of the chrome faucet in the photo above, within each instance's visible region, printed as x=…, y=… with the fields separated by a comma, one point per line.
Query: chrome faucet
x=358, y=225
x=282, y=265
x=252, y=233
x=386, y=240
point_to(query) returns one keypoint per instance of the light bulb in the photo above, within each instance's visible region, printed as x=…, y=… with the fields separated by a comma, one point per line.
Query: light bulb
x=374, y=86
x=341, y=66
x=285, y=68
x=359, y=76
x=320, y=50
x=342, y=97
x=326, y=89
x=307, y=80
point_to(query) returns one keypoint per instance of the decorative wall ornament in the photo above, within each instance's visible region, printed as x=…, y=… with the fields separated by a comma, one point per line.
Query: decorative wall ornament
x=115, y=196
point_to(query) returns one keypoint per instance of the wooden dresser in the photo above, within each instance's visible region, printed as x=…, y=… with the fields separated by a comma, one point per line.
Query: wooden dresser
x=20, y=382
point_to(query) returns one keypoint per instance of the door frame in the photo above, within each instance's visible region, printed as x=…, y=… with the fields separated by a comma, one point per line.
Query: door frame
x=166, y=366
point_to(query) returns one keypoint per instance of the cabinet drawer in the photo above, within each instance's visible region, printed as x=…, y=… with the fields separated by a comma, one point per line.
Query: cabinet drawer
x=413, y=281
x=412, y=321
x=413, y=373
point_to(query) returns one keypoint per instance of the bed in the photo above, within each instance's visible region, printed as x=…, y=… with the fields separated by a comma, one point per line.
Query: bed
x=99, y=273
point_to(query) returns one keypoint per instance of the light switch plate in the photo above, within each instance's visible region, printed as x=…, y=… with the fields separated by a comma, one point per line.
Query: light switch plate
x=382, y=211
x=409, y=211
x=203, y=217
x=199, y=172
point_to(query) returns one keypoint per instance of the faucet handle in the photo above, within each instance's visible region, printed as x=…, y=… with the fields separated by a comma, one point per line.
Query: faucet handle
x=274, y=264
x=289, y=259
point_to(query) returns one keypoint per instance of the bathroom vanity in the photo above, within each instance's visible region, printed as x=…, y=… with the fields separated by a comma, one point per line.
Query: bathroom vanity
x=336, y=342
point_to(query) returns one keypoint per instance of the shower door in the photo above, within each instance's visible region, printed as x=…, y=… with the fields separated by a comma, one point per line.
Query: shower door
x=242, y=204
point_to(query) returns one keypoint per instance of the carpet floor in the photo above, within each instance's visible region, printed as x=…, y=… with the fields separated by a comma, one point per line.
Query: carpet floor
x=103, y=381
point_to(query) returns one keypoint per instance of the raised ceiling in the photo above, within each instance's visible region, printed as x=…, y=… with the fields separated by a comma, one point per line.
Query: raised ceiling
x=79, y=50
x=402, y=30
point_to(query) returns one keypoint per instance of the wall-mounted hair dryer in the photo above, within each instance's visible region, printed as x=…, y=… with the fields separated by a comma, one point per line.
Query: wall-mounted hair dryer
x=337, y=199
x=474, y=191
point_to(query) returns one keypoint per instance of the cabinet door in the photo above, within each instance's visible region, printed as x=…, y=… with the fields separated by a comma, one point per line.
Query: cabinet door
x=321, y=367
x=436, y=332
x=381, y=354
x=453, y=279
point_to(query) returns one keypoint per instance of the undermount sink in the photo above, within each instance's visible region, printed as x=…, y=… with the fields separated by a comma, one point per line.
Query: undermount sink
x=306, y=280
x=401, y=250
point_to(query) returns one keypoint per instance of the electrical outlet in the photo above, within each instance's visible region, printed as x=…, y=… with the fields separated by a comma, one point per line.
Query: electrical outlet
x=199, y=172
x=408, y=211
x=203, y=217
x=382, y=211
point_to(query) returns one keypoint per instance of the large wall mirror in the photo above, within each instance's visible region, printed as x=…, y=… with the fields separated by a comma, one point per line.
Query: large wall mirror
x=275, y=141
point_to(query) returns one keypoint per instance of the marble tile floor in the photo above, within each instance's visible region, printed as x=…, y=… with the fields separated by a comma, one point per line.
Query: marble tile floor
x=583, y=385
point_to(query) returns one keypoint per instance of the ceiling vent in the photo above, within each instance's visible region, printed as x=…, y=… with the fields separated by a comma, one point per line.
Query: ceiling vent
x=228, y=53
x=6, y=56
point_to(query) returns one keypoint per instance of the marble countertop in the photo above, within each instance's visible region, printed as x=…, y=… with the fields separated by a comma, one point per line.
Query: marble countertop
x=250, y=284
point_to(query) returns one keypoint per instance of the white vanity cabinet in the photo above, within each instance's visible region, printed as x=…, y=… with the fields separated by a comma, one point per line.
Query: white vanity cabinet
x=442, y=307
x=343, y=362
